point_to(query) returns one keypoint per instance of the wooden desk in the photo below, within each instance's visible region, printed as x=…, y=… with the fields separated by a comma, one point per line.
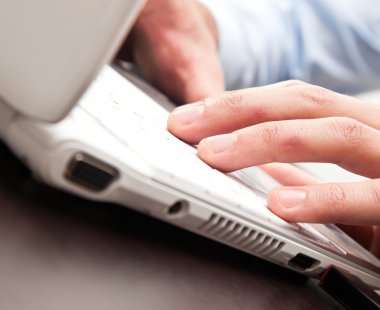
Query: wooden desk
x=62, y=252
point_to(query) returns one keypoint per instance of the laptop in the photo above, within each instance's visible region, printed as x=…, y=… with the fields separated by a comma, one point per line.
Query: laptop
x=83, y=126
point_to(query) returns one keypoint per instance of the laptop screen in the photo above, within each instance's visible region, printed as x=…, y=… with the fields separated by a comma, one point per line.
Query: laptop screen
x=52, y=50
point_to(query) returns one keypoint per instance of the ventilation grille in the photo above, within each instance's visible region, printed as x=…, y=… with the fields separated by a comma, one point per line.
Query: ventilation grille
x=241, y=236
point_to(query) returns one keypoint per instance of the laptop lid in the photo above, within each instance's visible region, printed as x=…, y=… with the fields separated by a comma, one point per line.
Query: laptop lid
x=52, y=49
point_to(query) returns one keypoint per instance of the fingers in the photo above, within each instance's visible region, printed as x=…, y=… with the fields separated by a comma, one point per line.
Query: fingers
x=348, y=203
x=175, y=45
x=352, y=145
x=283, y=101
x=289, y=175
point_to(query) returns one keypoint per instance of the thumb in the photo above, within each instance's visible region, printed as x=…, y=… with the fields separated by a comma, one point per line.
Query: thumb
x=347, y=203
x=205, y=79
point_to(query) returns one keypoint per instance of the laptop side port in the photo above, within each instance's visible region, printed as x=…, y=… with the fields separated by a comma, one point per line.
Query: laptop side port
x=177, y=209
x=303, y=262
x=90, y=172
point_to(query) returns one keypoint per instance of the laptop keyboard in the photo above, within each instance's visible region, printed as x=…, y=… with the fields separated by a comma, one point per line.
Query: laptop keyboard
x=140, y=124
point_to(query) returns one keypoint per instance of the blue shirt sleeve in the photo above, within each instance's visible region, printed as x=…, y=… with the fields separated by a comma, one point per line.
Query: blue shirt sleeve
x=332, y=43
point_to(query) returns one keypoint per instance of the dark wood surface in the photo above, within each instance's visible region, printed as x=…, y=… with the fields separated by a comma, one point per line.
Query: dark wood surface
x=62, y=252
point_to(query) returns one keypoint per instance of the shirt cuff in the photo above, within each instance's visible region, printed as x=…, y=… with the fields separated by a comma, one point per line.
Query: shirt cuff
x=230, y=39
x=253, y=43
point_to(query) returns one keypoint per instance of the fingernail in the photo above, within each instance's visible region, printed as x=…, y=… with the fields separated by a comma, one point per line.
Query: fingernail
x=291, y=198
x=219, y=144
x=188, y=115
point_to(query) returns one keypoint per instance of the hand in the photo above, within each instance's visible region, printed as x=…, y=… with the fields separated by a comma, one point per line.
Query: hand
x=175, y=45
x=293, y=122
x=288, y=175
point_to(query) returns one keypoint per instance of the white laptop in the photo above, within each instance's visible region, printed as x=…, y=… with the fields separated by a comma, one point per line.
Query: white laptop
x=82, y=126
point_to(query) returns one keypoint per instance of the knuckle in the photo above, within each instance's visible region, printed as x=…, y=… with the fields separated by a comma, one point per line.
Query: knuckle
x=352, y=131
x=283, y=137
x=314, y=95
x=269, y=133
x=292, y=83
x=336, y=198
x=294, y=142
x=231, y=102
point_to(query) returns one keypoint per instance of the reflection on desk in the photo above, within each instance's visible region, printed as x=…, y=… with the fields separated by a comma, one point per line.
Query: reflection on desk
x=62, y=252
